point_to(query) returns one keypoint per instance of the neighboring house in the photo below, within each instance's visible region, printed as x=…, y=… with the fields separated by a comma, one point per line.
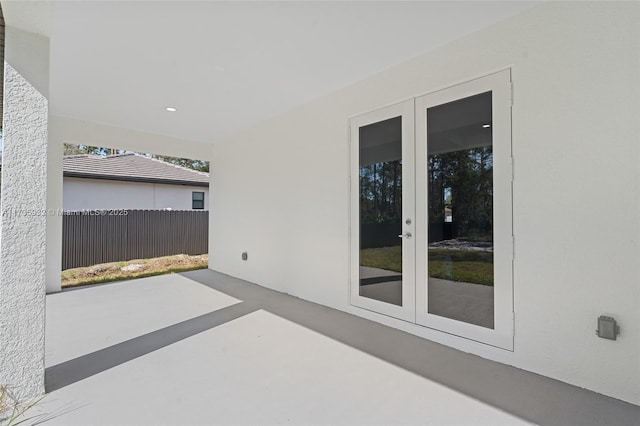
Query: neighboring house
x=131, y=181
x=448, y=215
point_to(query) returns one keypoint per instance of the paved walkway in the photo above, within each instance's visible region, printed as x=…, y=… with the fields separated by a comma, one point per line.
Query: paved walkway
x=204, y=348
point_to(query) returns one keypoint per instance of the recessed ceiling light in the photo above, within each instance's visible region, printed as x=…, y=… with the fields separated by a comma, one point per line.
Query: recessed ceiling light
x=171, y=109
x=486, y=126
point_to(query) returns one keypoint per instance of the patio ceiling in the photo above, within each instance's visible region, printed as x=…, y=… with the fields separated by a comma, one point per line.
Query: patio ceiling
x=228, y=65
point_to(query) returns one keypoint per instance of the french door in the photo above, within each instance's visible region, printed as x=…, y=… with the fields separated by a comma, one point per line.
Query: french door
x=431, y=210
x=382, y=211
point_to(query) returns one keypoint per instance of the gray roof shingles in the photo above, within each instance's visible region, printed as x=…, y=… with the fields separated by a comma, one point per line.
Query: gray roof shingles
x=131, y=167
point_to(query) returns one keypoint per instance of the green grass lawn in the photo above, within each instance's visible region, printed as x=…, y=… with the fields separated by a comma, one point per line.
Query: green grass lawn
x=389, y=258
x=455, y=265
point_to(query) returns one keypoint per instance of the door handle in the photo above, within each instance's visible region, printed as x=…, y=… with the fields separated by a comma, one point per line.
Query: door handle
x=407, y=235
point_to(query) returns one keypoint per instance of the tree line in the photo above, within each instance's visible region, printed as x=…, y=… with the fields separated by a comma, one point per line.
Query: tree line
x=461, y=181
x=381, y=192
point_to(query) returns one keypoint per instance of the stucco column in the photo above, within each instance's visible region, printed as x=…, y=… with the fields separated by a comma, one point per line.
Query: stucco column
x=23, y=235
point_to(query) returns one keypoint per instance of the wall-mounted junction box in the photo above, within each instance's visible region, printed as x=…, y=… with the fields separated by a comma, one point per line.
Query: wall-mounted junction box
x=607, y=328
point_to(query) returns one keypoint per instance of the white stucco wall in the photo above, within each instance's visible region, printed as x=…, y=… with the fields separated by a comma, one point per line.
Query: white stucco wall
x=83, y=194
x=282, y=188
x=23, y=236
x=55, y=154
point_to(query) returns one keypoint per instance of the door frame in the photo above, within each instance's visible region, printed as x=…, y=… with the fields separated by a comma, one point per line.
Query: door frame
x=501, y=335
x=414, y=185
x=405, y=110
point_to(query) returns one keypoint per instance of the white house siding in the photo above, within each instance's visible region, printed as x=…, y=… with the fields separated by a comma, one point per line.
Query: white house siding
x=282, y=188
x=83, y=194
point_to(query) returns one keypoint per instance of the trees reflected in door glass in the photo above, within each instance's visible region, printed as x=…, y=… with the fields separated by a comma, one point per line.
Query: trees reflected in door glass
x=460, y=210
x=380, y=200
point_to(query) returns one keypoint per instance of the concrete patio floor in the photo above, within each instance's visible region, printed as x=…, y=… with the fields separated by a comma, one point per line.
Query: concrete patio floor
x=205, y=348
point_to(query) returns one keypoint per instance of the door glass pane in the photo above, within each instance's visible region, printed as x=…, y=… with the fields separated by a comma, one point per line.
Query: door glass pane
x=460, y=210
x=380, y=155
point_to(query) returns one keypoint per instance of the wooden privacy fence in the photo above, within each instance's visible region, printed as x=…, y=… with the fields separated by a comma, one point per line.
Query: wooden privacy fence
x=100, y=236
